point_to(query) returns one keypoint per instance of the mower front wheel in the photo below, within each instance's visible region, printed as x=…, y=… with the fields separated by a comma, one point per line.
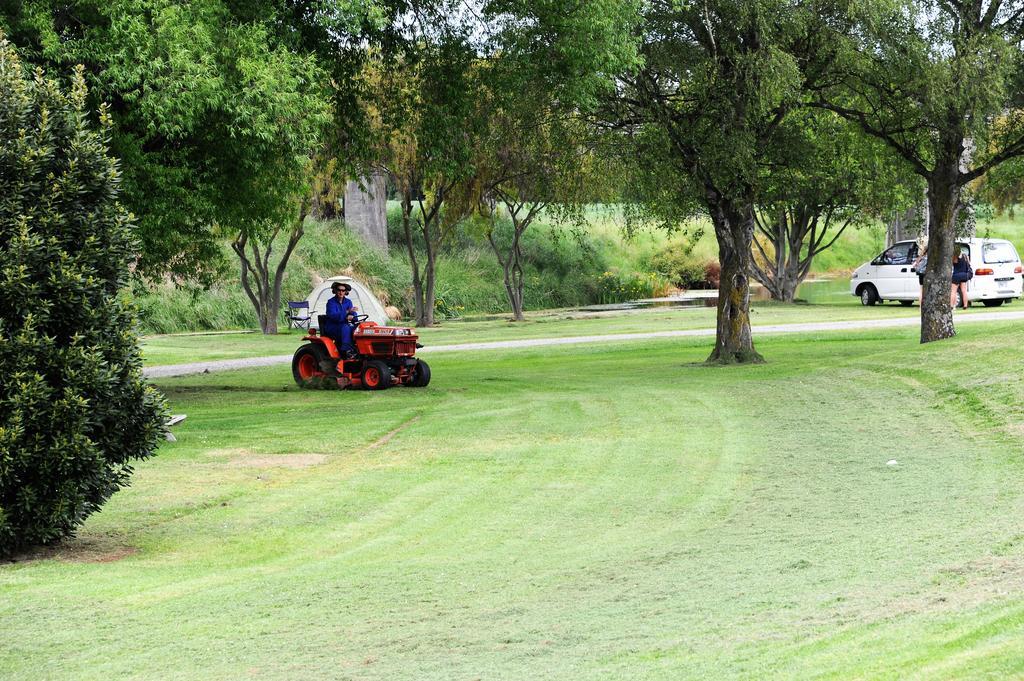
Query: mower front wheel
x=306, y=364
x=420, y=374
x=376, y=376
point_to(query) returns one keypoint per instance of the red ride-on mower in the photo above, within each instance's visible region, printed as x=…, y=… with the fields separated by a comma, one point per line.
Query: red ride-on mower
x=385, y=356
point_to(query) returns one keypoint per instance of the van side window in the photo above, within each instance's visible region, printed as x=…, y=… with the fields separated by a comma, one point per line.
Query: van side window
x=900, y=254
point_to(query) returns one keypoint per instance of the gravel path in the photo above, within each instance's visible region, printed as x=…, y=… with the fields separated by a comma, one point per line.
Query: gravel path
x=228, y=364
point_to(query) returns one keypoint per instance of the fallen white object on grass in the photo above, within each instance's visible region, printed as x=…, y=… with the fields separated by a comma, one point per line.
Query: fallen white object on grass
x=173, y=420
x=891, y=462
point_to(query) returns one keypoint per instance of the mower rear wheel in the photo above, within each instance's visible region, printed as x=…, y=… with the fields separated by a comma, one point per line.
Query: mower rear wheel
x=376, y=376
x=306, y=364
x=420, y=374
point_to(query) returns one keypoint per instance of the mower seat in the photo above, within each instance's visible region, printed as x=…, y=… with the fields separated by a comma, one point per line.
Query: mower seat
x=321, y=320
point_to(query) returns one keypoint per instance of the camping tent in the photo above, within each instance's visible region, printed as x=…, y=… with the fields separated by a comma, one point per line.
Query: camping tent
x=361, y=297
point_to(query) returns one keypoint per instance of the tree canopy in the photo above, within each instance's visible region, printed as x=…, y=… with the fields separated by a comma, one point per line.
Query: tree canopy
x=717, y=81
x=940, y=82
x=206, y=99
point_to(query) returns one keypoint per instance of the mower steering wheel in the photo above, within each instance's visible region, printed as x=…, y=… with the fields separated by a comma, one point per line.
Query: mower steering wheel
x=360, y=318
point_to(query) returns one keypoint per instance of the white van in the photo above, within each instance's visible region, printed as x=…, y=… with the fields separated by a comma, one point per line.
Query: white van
x=891, y=276
x=361, y=297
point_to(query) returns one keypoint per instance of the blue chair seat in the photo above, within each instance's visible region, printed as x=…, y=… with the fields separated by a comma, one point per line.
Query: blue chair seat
x=298, y=314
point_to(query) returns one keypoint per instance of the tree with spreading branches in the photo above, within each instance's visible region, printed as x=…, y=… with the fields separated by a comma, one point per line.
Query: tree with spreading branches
x=940, y=83
x=718, y=79
x=450, y=72
x=197, y=92
x=826, y=177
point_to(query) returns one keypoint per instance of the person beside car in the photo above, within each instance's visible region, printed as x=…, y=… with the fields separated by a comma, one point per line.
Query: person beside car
x=918, y=266
x=341, y=313
x=962, y=273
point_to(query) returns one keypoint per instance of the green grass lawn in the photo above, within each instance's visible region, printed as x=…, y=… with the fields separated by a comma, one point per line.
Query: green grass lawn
x=605, y=512
x=830, y=301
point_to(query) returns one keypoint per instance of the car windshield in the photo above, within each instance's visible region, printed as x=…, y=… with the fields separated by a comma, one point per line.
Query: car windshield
x=998, y=251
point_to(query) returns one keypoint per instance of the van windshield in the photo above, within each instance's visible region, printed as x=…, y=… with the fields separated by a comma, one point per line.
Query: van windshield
x=999, y=251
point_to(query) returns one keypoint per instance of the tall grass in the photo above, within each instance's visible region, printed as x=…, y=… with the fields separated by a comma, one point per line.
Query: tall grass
x=565, y=266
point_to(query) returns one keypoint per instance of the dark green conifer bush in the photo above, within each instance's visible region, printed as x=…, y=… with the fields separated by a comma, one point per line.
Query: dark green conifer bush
x=74, y=408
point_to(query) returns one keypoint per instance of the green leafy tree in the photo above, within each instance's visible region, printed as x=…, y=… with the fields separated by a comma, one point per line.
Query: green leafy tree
x=718, y=79
x=548, y=68
x=274, y=175
x=194, y=89
x=825, y=177
x=528, y=164
x=938, y=81
x=436, y=96
x=425, y=141
x=75, y=411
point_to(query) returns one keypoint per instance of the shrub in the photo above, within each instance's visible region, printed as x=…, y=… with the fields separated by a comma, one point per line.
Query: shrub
x=74, y=408
x=712, y=274
x=685, y=270
x=618, y=287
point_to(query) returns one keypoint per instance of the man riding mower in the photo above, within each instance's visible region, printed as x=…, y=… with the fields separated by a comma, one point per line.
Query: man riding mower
x=353, y=352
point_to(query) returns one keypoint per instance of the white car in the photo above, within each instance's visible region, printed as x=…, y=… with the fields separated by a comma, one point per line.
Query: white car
x=891, y=276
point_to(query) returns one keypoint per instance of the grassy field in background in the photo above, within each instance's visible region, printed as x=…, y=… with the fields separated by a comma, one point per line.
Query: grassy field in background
x=829, y=301
x=605, y=512
x=854, y=247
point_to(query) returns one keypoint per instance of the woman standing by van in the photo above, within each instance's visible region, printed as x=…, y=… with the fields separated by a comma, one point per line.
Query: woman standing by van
x=962, y=273
x=918, y=266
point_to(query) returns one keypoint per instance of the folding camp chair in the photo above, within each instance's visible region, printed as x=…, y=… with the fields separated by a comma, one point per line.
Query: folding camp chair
x=298, y=314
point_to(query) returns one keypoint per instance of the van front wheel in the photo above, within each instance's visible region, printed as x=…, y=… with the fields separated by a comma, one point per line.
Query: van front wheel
x=868, y=295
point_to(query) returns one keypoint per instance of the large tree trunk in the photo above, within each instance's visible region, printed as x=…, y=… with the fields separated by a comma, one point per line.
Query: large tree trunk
x=417, y=280
x=366, y=212
x=427, y=290
x=910, y=224
x=734, y=229
x=943, y=197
